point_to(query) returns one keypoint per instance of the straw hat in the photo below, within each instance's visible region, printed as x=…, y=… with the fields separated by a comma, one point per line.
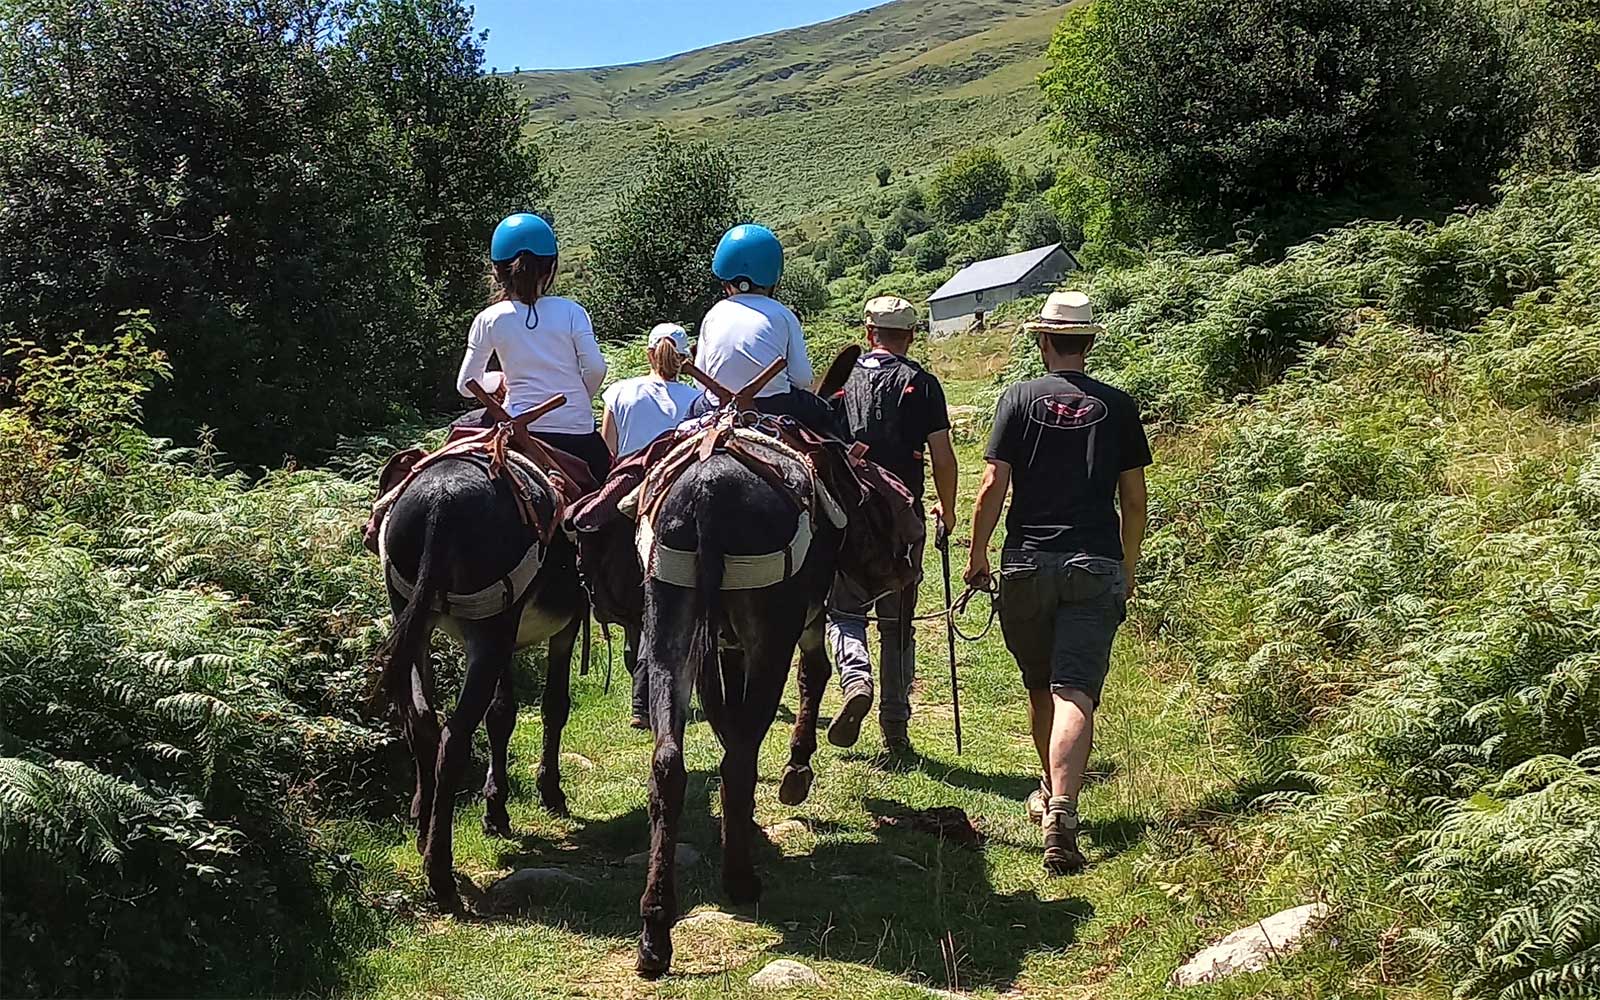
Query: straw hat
x=1065, y=312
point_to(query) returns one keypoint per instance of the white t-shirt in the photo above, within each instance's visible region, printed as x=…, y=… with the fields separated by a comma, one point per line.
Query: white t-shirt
x=644, y=408
x=743, y=334
x=550, y=352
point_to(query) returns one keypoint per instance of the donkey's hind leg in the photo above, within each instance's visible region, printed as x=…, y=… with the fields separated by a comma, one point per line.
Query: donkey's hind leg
x=555, y=707
x=489, y=647
x=669, y=615
x=769, y=642
x=815, y=671
x=500, y=721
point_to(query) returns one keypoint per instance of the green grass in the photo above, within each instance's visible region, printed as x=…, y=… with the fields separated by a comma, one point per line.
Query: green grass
x=1174, y=861
x=906, y=84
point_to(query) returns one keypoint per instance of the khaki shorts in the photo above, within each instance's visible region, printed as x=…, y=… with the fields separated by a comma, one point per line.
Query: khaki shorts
x=1060, y=612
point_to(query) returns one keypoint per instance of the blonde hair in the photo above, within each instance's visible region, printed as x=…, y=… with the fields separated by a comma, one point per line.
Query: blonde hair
x=665, y=359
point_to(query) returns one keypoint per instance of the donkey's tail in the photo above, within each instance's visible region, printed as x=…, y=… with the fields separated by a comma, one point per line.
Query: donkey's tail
x=706, y=638
x=399, y=653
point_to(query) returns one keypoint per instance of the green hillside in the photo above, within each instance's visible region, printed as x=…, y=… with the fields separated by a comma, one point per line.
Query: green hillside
x=811, y=111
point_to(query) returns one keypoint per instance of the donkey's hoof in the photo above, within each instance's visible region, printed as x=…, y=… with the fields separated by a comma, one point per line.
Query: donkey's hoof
x=654, y=958
x=795, y=785
x=555, y=803
x=498, y=826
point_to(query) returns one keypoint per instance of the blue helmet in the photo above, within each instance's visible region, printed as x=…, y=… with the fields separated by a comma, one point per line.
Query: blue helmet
x=750, y=252
x=522, y=233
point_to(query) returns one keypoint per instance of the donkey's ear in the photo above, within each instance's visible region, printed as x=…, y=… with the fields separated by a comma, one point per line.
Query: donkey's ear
x=833, y=380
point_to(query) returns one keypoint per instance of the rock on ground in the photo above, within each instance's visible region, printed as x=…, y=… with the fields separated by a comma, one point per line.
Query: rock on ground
x=519, y=888
x=787, y=829
x=783, y=974
x=1251, y=948
x=686, y=856
x=578, y=761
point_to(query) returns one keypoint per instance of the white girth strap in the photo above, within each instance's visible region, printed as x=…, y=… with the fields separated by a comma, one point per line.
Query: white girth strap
x=485, y=603
x=678, y=566
x=496, y=597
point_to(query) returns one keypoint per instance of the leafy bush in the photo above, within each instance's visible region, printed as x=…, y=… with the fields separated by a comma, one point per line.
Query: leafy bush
x=1036, y=225
x=803, y=288
x=255, y=181
x=1212, y=110
x=929, y=251
x=182, y=670
x=653, y=262
x=969, y=186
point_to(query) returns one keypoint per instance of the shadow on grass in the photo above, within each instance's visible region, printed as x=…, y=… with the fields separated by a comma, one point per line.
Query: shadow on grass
x=901, y=901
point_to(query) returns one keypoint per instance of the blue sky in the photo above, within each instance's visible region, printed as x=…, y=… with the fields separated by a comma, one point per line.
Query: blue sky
x=557, y=34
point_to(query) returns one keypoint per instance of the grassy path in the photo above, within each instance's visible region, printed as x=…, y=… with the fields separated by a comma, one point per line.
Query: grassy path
x=1175, y=860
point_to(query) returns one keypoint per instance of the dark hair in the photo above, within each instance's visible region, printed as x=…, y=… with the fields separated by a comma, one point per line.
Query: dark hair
x=524, y=278
x=1068, y=344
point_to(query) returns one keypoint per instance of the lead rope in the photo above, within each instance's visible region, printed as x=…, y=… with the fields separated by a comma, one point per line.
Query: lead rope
x=990, y=590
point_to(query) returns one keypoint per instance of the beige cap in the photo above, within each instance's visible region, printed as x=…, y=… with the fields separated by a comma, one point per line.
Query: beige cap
x=1065, y=312
x=891, y=312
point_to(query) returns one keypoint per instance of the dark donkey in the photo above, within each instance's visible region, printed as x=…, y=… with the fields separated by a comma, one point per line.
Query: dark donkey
x=743, y=548
x=470, y=546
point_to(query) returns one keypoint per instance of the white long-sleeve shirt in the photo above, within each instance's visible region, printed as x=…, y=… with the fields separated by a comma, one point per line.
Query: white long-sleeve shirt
x=552, y=351
x=743, y=334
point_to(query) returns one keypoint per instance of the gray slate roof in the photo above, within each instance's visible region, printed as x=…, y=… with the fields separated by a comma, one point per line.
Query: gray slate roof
x=997, y=272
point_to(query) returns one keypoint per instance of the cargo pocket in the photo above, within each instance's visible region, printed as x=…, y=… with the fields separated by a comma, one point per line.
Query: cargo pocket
x=1021, y=587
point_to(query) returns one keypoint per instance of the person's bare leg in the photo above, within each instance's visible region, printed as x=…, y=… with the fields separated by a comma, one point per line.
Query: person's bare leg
x=1071, y=736
x=1070, y=740
x=1041, y=719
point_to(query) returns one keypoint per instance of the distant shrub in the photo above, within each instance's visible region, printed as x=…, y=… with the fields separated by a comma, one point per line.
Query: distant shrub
x=878, y=262
x=833, y=266
x=803, y=288
x=929, y=251
x=1036, y=225
x=654, y=257
x=913, y=198
x=973, y=183
x=883, y=174
x=852, y=240
x=894, y=238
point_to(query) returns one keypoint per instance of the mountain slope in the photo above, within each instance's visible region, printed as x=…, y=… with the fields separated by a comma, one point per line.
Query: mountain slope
x=811, y=111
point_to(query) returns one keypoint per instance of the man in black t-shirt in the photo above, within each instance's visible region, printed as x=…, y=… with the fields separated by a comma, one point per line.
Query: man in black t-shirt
x=898, y=411
x=1067, y=445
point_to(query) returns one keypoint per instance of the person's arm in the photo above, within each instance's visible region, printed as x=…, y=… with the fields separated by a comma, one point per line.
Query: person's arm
x=943, y=456
x=1131, y=493
x=991, y=501
x=608, y=427
x=476, y=362
x=591, y=363
x=799, y=367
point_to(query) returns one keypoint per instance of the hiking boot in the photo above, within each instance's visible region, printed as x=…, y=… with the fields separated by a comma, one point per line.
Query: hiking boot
x=895, y=738
x=1061, y=837
x=1061, y=854
x=846, y=726
x=1038, y=801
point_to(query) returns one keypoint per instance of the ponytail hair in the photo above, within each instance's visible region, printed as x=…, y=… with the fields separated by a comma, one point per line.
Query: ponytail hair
x=665, y=360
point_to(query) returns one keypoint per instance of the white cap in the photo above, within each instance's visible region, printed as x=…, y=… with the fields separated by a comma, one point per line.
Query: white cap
x=672, y=332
